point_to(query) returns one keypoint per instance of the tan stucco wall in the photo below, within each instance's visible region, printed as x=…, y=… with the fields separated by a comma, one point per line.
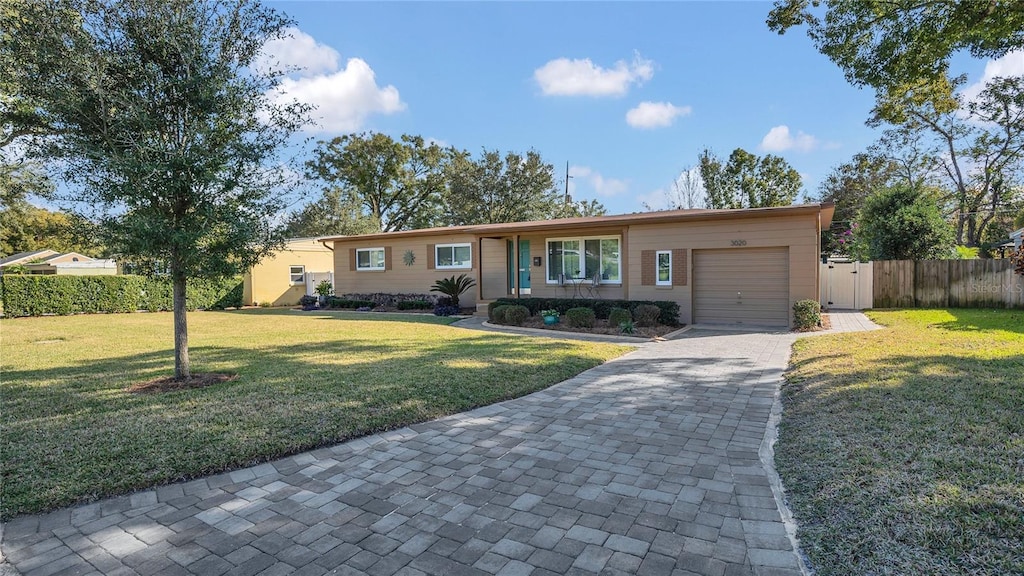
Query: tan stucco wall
x=402, y=279
x=799, y=233
x=269, y=280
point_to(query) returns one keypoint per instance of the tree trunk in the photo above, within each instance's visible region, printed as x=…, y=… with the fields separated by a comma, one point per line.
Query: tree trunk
x=182, y=368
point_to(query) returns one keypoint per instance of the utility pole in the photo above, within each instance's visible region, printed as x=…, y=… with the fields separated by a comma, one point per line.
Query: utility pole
x=568, y=199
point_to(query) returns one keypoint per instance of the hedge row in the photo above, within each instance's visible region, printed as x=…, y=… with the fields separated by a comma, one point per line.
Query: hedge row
x=602, y=308
x=37, y=294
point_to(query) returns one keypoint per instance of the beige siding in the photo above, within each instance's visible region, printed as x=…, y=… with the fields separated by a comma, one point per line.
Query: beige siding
x=494, y=269
x=402, y=279
x=269, y=281
x=798, y=233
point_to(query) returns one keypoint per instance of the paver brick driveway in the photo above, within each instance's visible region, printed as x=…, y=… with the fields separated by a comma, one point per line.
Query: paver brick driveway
x=646, y=465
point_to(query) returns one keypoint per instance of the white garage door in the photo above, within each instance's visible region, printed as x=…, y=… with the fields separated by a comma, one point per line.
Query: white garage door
x=745, y=286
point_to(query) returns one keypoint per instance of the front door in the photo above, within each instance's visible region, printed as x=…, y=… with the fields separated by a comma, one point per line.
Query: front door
x=524, y=266
x=523, y=274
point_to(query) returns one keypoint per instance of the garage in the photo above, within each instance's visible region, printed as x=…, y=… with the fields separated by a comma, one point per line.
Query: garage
x=742, y=287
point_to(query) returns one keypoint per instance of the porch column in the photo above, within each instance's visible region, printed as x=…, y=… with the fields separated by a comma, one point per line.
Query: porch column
x=479, y=269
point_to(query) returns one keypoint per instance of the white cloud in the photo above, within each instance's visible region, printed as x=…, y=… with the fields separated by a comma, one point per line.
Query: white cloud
x=581, y=77
x=649, y=115
x=778, y=139
x=344, y=97
x=601, y=186
x=297, y=50
x=1011, y=64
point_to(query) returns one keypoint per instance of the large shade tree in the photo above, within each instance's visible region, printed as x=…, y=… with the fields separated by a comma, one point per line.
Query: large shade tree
x=162, y=125
x=902, y=48
x=746, y=180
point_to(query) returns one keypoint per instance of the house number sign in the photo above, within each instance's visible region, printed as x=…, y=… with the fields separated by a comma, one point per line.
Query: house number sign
x=738, y=242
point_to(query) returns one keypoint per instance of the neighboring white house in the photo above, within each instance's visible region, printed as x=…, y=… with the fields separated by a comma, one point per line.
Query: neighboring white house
x=53, y=262
x=1018, y=238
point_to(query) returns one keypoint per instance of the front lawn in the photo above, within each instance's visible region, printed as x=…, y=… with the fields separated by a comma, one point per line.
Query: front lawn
x=902, y=450
x=71, y=433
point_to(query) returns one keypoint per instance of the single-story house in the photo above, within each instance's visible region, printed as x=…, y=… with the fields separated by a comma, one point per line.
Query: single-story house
x=53, y=262
x=735, y=267
x=287, y=275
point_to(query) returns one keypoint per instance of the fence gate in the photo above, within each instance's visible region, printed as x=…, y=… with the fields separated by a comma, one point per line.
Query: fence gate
x=314, y=278
x=846, y=285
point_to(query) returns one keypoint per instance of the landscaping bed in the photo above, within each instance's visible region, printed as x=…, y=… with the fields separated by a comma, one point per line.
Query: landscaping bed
x=600, y=327
x=902, y=450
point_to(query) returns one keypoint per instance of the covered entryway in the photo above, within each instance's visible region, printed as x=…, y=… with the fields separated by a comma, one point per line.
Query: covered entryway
x=742, y=286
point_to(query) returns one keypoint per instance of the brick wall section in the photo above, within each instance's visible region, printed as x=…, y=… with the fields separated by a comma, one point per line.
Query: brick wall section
x=648, y=267
x=679, y=260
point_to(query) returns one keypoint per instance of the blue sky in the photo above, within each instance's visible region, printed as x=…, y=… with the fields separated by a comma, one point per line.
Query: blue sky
x=627, y=93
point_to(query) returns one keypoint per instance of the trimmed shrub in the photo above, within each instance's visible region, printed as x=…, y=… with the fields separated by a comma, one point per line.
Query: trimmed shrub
x=442, y=310
x=490, y=310
x=619, y=315
x=516, y=315
x=309, y=302
x=382, y=299
x=806, y=314
x=497, y=314
x=669, y=311
x=580, y=317
x=646, y=315
x=36, y=294
x=414, y=305
x=345, y=303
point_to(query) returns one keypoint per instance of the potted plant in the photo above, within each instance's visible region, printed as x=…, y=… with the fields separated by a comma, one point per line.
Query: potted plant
x=550, y=316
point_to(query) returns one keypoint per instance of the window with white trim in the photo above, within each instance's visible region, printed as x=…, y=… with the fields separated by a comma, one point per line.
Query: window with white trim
x=664, y=263
x=599, y=256
x=369, y=259
x=452, y=256
x=297, y=274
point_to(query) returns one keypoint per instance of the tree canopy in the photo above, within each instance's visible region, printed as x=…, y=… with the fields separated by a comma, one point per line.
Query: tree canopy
x=372, y=182
x=903, y=222
x=162, y=126
x=902, y=48
x=747, y=180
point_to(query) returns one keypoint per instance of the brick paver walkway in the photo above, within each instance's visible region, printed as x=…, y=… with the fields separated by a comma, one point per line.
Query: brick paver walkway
x=646, y=465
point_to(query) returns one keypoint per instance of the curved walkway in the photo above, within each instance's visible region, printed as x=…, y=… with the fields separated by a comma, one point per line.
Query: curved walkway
x=648, y=464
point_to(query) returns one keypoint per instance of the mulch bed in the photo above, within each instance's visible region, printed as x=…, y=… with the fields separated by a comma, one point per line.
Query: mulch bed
x=172, y=384
x=600, y=327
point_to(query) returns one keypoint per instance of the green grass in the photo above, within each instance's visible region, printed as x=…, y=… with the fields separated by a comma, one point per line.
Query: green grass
x=902, y=450
x=72, y=434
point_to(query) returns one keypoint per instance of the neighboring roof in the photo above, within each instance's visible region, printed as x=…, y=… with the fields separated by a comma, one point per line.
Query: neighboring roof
x=27, y=256
x=665, y=216
x=1017, y=233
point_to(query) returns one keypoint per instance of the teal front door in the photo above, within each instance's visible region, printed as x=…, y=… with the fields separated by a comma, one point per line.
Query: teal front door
x=523, y=268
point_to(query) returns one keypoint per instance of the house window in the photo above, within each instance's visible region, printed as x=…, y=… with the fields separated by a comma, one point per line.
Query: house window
x=664, y=260
x=297, y=274
x=582, y=258
x=370, y=259
x=453, y=256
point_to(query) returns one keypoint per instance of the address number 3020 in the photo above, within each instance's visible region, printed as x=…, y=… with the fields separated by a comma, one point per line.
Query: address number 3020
x=738, y=242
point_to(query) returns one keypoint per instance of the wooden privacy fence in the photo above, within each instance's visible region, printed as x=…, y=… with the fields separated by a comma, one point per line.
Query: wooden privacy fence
x=947, y=284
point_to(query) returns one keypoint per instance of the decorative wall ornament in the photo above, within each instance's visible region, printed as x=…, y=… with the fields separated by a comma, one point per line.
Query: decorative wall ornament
x=409, y=258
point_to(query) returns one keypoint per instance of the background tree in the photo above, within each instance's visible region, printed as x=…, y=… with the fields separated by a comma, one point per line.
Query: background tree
x=334, y=213
x=748, y=181
x=581, y=208
x=163, y=126
x=848, y=186
x=975, y=152
x=513, y=187
x=903, y=223
x=902, y=48
x=397, y=183
x=687, y=191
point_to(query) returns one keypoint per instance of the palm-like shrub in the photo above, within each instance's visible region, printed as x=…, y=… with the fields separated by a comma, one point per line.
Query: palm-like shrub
x=453, y=287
